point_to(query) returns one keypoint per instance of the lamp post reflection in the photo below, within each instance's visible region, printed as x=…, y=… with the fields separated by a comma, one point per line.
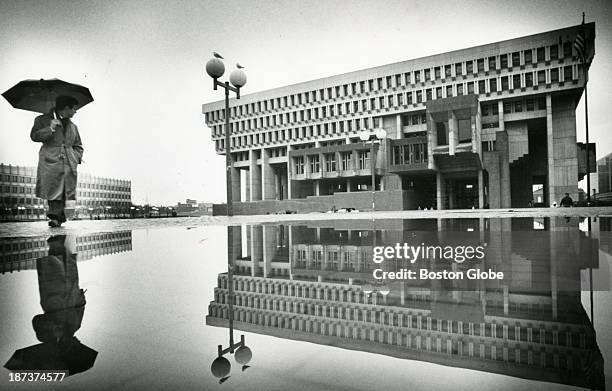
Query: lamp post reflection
x=221, y=366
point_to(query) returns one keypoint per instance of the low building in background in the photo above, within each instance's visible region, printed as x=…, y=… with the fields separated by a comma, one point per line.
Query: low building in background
x=96, y=196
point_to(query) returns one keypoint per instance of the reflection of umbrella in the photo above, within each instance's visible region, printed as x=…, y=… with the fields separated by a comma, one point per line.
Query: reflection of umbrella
x=71, y=356
x=39, y=95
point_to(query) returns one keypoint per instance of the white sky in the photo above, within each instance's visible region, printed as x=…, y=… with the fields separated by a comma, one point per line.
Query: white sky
x=144, y=63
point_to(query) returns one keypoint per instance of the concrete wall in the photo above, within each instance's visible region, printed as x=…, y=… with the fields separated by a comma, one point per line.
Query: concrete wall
x=564, y=153
x=385, y=200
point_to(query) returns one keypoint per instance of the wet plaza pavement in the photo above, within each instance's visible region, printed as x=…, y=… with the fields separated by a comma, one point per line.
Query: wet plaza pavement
x=146, y=306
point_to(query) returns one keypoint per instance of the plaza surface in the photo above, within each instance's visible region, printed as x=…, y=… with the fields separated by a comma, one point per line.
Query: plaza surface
x=36, y=228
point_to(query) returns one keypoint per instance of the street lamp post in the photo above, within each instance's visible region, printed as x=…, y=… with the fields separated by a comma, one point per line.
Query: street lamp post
x=215, y=69
x=365, y=136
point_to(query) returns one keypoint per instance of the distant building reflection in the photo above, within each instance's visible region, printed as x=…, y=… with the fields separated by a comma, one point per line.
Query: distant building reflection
x=18, y=254
x=306, y=283
x=63, y=303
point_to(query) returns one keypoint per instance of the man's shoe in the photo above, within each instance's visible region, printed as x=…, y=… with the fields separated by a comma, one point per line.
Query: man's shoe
x=54, y=223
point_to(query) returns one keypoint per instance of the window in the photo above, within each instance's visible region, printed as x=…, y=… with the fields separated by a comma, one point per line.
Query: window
x=469, y=67
x=470, y=87
x=492, y=63
x=504, y=83
x=345, y=158
x=541, y=77
x=518, y=106
x=417, y=77
x=419, y=96
x=528, y=55
x=458, y=69
x=400, y=99
x=427, y=74
x=447, y=71
x=540, y=54
x=503, y=61
x=449, y=91
x=437, y=73
x=459, y=89
x=428, y=94
x=442, y=133
x=529, y=79
x=507, y=107
x=516, y=59
x=330, y=162
x=439, y=93
x=465, y=130
x=567, y=73
x=407, y=78
x=516, y=81
x=364, y=160
x=299, y=164
x=485, y=110
x=398, y=80
x=554, y=75
x=409, y=96
x=480, y=64
x=554, y=52
x=314, y=163
x=481, y=86
x=530, y=105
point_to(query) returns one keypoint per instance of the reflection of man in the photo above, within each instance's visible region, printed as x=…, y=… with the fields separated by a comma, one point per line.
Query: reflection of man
x=58, y=157
x=567, y=201
x=63, y=303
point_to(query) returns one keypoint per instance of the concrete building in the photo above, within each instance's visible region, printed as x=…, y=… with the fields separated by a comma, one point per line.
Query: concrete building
x=477, y=127
x=95, y=195
x=307, y=283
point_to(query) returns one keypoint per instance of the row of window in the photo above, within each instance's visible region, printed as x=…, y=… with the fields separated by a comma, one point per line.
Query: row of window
x=497, y=84
x=503, y=61
x=30, y=179
x=515, y=106
x=410, y=154
x=345, y=162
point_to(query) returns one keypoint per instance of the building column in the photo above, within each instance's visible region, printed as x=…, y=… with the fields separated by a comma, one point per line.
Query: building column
x=550, y=156
x=502, y=145
x=247, y=185
x=453, y=137
x=398, y=123
x=289, y=172
x=235, y=183
x=267, y=177
x=317, y=187
x=432, y=141
x=348, y=185
x=254, y=177
x=440, y=190
x=480, y=189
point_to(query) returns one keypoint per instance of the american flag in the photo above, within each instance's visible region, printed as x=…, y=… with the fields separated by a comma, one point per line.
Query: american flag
x=580, y=42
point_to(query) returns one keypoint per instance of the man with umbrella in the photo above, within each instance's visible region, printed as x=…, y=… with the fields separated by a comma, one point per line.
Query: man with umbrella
x=58, y=158
x=62, y=149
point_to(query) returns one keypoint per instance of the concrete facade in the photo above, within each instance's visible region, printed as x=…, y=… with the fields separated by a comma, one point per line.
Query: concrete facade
x=474, y=128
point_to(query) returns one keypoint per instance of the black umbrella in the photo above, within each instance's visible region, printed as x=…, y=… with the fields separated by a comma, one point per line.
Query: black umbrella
x=39, y=95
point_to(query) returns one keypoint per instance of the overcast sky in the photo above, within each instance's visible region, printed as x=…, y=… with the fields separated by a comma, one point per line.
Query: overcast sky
x=144, y=63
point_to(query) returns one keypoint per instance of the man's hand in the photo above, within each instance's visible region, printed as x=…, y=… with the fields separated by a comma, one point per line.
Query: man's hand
x=54, y=124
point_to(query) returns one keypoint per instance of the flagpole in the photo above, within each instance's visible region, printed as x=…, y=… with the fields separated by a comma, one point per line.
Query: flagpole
x=586, y=115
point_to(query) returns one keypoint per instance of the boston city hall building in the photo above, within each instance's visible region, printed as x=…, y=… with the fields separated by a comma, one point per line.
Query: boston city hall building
x=489, y=126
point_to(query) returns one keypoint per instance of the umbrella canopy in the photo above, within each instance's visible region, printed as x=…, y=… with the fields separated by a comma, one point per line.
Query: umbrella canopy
x=39, y=95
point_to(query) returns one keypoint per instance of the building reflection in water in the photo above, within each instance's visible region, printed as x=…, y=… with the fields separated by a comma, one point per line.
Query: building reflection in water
x=307, y=283
x=61, y=298
x=18, y=254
